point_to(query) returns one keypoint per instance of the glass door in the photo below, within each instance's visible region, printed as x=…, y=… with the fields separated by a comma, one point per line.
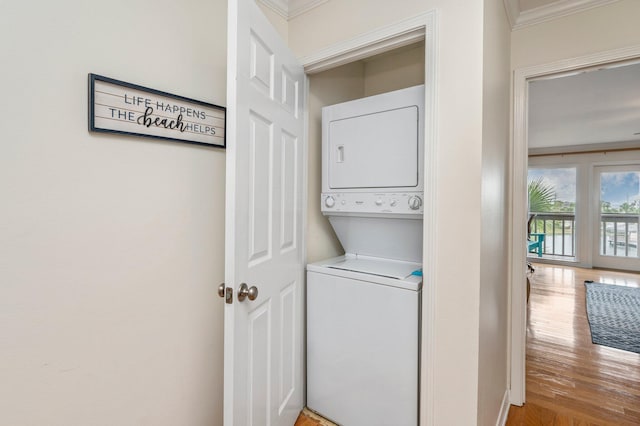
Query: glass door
x=616, y=213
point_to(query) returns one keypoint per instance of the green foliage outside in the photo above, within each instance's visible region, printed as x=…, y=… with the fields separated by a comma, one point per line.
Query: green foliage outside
x=542, y=197
x=628, y=208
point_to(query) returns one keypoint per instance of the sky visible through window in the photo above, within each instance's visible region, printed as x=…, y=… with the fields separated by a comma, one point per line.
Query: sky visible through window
x=615, y=187
x=620, y=187
x=562, y=180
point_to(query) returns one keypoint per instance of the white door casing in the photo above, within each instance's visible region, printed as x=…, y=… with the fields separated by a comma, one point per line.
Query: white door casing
x=518, y=192
x=264, y=241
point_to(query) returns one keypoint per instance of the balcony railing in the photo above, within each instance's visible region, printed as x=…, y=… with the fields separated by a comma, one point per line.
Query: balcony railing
x=559, y=230
x=618, y=234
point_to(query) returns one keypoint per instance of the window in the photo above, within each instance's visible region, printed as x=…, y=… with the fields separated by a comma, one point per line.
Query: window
x=552, y=208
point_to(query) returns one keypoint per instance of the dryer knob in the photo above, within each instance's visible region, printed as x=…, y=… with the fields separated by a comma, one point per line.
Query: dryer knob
x=415, y=202
x=329, y=201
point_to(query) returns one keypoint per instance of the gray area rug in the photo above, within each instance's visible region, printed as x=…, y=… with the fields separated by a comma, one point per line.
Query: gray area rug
x=614, y=315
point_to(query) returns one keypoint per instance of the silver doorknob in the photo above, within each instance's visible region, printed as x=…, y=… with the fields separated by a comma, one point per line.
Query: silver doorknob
x=221, y=290
x=245, y=291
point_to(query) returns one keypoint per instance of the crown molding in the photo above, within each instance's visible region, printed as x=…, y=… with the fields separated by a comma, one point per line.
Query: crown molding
x=298, y=7
x=523, y=18
x=289, y=9
x=512, y=8
x=281, y=7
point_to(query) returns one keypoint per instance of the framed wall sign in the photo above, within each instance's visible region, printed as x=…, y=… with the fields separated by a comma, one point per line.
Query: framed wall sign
x=125, y=108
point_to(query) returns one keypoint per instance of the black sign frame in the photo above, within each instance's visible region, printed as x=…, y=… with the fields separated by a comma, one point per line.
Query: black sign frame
x=135, y=113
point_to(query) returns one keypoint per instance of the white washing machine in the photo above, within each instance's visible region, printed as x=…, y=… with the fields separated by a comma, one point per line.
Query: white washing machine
x=363, y=308
x=363, y=332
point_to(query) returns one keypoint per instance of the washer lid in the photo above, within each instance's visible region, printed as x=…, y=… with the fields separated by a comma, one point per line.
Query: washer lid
x=374, y=266
x=371, y=270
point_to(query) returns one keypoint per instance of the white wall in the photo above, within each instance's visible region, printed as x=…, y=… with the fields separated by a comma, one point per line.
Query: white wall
x=111, y=247
x=395, y=70
x=494, y=289
x=600, y=29
x=459, y=132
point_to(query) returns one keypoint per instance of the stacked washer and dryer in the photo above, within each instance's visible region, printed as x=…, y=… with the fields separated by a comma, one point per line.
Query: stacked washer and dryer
x=363, y=308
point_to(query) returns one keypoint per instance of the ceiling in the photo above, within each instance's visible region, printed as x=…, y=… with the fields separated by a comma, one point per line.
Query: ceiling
x=592, y=108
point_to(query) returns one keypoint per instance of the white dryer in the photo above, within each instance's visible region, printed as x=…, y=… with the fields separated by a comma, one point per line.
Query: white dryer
x=363, y=308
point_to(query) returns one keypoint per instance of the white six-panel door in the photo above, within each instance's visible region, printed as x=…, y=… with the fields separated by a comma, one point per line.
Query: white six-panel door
x=264, y=344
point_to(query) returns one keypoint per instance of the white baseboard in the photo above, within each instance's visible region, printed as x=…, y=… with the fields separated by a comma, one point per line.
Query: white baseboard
x=504, y=410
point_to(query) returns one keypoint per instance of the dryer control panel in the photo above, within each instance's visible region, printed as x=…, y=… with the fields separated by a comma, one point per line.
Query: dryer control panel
x=404, y=203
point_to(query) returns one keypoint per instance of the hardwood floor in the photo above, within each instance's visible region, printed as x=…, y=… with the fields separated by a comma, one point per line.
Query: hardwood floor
x=308, y=418
x=571, y=381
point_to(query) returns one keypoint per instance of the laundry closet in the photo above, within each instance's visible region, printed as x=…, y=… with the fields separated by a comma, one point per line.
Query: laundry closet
x=363, y=304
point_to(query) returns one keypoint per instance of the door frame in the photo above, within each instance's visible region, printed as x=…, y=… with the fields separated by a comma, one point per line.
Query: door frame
x=417, y=28
x=518, y=192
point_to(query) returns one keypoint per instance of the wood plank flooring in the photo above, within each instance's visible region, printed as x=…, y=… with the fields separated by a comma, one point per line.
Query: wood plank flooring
x=309, y=418
x=571, y=381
